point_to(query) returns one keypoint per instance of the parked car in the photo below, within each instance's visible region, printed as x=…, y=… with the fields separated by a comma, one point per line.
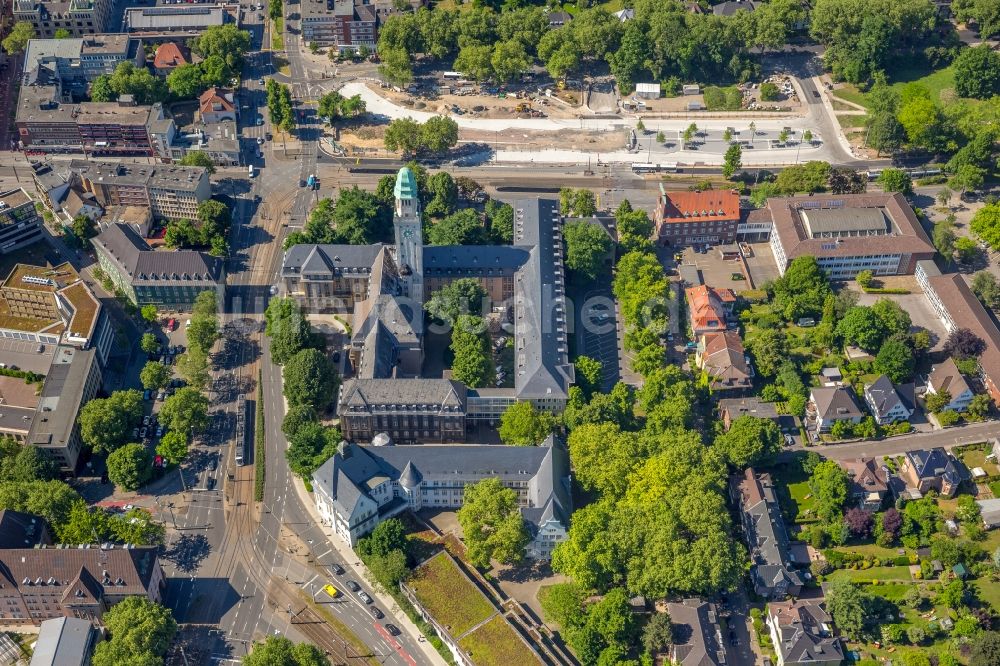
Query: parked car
x=142, y=433
x=376, y=613
x=211, y=483
x=145, y=420
x=336, y=569
x=147, y=394
x=364, y=597
x=352, y=586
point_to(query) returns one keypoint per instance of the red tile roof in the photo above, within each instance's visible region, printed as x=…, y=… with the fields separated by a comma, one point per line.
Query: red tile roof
x=706, y=307
x=168, y=55
x=216, y=100
x=706, y=205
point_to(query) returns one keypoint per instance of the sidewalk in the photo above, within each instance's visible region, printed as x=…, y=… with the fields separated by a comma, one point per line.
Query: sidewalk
x=351, y=562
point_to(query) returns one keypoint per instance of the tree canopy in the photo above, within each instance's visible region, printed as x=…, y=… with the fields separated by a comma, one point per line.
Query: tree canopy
x=587, y=247
x=107, y=423
x=523, y=425
x=279, y=651
x=310, y=379
x=140, y=633
x=491, y=522
x=461, y=297
x=470, y=344
x=749, y=441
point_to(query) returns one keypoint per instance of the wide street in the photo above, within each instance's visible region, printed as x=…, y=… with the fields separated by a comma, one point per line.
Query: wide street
x=948, y=438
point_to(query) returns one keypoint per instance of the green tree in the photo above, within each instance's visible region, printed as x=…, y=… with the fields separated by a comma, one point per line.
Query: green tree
x=185, y=81
x=296, y=417
x=438, y=134
x=141, y=633
x=443, y=193
x=28, y=464
x=986, y=224
x=894, y=318
x=173, y=446
x=523, y=425
x=923, y=123
x=588, y=374
x=310, y=379
x=225, y=41
x=985, y=649
x=389, y=535
x=192, y=366
x=967, y=250
x=463, y=296
x=148, y=313
x=155, y=375
x=279, y=651
x=587, y=248
x=396, y=66
x=473, y=362
x=862, y=327
x=129, y=466
x=288, y=329
x=185, y=411
x=849, y=607
x=198, y=158
x=658, y=634
x=310, y=447
x=895, y=360
x=107, y=423
x=18, y=37
x=768, y=92
x=148, y=343
x=828, y=484
x=977, y=72
x=943, y=236
x=895, y=180
x=987, y=289
x=463, y=228
x=768, y=347
x=750, y=441
x=509, y=60
x=733, y=160
x=979, y=406
x=491, y=522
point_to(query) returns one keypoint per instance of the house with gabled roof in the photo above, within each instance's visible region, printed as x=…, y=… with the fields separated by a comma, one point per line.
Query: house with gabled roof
x=697, y=634
x=935, y=469
x=946, y=377
x=218, y=104
x=802, y=633
x=890, y=403
x=722, y=357
x=771, y=565
x=709, y=308
x=867, y=483
x=362, y=485
x=829, y=404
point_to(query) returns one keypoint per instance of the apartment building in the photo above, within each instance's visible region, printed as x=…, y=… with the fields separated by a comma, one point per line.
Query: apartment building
x=169, y=191
x=170, y=279
x=79, y=17
x=686, y=218
x=347, y=25
x=20, y=223
x=848, y=233
x=83, y=582
x=78, y=61
x=362, y=485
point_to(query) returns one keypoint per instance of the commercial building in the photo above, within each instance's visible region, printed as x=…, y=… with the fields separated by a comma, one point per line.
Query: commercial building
x=82, y=582
x=20, y=223
x=848, y=233
x=180, y=21
x=78, y=61
x=64, y=641
x=19, y=400
x=384, y=289
x=771, y=566
x=685, y=218
x=169, y=279
x=362, y=485
x=78, y=17
x=220, y=141
x=802, y=634
x=169, y=191
x=72, y=381
x=958, y=307
x=347, y=25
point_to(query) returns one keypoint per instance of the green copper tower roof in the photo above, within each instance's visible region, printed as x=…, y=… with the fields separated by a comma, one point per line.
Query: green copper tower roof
x=406, y=184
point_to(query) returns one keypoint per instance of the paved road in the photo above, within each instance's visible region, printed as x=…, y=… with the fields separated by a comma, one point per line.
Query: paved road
x=976, y=432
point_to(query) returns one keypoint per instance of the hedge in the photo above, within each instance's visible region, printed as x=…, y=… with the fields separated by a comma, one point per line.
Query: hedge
x=28, y=376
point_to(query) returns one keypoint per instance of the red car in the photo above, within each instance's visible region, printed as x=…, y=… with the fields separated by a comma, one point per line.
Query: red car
x=172, y=324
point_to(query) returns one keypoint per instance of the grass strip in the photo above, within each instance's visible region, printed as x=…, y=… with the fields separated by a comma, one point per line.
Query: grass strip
x=343, y=631
x=259, y=450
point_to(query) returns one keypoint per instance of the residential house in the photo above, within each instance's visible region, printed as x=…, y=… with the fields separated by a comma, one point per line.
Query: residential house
x=867, y=485
x=829, y=404
x=559, y=19
x=362, y=485
x=924, y=470
x=731, y=409
x=79, y=203
x=947, y=377
x=697, y=634
x=168, y=58
x=889, y=403
x=802, y=633
x=709, y=308
x=771, y=565
x=216, y=105
x=723, y=359
x=989, y=509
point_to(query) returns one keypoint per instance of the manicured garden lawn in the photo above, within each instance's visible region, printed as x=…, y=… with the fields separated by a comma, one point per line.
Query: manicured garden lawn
x=876, y=573
x=496, y=644
x=448, y=595
x=935, y=82
x=989, y=592
x=870, y=549
x=977, y=458
x=851, y=94
x=793, y=492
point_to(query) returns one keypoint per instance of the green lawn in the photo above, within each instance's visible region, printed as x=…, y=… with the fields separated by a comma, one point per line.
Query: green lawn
x=448, y=595
x=870, y=549
x=874, y=573
x=934, y=81
x=497, y=644
x=989, y=592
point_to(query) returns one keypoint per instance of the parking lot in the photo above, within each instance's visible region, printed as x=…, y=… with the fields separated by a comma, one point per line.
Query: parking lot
x=597, y=323
x=915, y=304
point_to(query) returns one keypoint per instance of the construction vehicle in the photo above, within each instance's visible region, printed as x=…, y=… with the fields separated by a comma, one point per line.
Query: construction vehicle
x=523, y=107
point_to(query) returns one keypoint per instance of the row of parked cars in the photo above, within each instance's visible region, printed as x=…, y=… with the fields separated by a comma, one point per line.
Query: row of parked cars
x=353, y=586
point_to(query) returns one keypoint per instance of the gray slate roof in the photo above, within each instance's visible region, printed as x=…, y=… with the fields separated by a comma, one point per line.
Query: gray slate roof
x=63, y=641
x=801, y=633
x=936, y=462
x=330, y=259
x=376, y=393
x=698, y=640
x=885, y=397
x=836, y=402
x=142, y=263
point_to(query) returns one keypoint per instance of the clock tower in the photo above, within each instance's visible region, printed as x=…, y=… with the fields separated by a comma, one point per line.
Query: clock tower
x=409, y=236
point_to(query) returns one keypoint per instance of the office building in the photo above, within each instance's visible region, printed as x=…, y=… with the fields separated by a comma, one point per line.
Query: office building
x=686, y=218
x=408, y=410
x=79, y=18
x=848, y=233
x=180, y=21
x=169, y=279
x=347, y=25
x=78, y=61
x=83, y=582
x=20, y=223
x=73, y=379
x=362, y=485
x=170, y=192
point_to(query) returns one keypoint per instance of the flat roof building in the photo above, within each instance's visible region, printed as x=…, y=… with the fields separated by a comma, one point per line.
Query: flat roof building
x=848, y=233
x=170, y=191
x=78, y=61
x=346, y=25
x=20, y=223
x=187, y=20
x=64, y=641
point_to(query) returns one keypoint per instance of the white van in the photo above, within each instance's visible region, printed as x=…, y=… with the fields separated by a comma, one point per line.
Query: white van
x=250, y=170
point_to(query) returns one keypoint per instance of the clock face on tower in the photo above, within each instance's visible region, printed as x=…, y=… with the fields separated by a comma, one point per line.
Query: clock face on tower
x=408, y=232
